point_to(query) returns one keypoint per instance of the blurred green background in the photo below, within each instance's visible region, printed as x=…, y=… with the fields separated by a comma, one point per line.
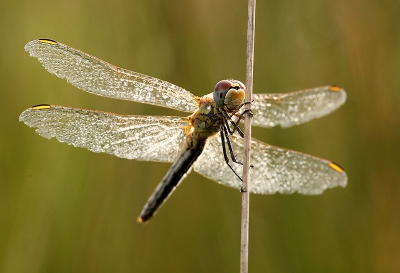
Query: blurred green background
x=65, y=209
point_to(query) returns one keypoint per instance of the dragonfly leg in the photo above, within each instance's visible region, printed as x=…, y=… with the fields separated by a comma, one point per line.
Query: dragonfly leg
x=228, y=140
x=236, y=128
x=234, y=124
x=241, y=115
x=222, y=133
x=247, y=111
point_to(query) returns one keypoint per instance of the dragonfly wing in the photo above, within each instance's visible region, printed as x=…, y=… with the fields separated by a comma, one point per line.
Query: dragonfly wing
x=99, y=77
x=275, y=169
x=294, y=108
x=146, y=138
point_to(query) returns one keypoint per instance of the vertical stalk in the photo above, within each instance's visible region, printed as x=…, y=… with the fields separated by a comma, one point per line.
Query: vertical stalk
x=244, y=250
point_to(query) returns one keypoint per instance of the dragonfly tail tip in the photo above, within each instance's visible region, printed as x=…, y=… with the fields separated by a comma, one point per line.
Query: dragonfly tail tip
x=142, y=219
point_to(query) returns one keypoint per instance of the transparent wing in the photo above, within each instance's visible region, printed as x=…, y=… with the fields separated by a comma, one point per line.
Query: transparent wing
x=275, y=169
x=294, y=108
x=99, y=77
x=134, y=137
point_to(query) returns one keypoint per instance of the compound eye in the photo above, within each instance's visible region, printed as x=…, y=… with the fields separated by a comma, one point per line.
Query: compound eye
x=222, y=86
x=220, y=90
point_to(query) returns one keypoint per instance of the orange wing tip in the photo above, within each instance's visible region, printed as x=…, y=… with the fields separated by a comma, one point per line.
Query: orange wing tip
x=335, y=88
x=336, y=167
x=48, y=41
x=41, y=107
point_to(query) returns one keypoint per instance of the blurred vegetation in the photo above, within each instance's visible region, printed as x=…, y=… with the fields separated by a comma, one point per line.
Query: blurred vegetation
x=65, y=209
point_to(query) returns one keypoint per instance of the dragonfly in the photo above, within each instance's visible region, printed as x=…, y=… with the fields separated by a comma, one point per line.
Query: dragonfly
x=202, y=141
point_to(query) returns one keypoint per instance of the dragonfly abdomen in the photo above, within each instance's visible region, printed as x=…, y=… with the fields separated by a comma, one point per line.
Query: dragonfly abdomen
x=173, y=177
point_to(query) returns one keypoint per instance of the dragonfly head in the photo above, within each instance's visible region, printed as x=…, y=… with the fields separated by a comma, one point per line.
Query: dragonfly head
x=229, y=93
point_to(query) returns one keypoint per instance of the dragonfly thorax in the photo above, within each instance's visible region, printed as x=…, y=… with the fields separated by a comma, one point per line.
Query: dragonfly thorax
x=205, y=122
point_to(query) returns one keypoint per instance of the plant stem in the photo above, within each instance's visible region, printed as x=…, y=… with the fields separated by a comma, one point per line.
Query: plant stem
x=244, y=250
